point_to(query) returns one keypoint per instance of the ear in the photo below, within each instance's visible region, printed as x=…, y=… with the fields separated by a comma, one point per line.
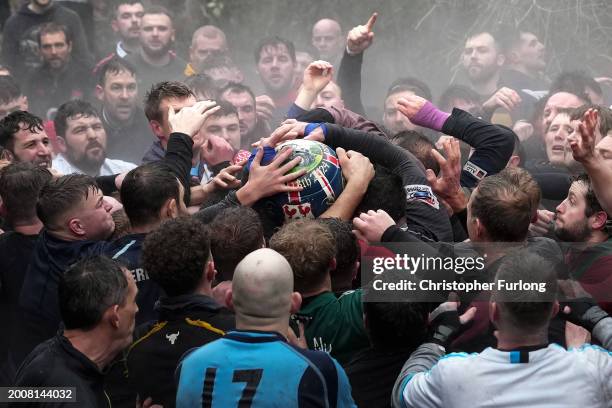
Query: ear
x=76, y=227
x=69, y=47
x=169, y=210
x=229, y=300
x=157, y=128
x=61, y=143
x=513, y=57
x=115, y=25
x=493, y=312
x=296, y=302
x=514, y=161
x=210, y=272
x=113, y=316
x=501, y=59
x=333, y=264
x=7, y=155
x=555, y=309
x=480, y=229
x=598, y=220
x=355, y=270
x=99, y=92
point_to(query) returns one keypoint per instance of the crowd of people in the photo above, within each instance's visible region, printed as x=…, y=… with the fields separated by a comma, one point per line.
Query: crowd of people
x=144, y=262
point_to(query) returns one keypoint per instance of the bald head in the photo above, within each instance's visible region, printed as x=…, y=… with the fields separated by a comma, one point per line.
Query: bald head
x=327, y=38
x=262, y=286
x=205, y=41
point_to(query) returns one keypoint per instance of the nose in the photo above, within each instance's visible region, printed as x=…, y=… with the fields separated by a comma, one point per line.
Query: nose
x=560, y=208
x=124, y=93
x=43, y=150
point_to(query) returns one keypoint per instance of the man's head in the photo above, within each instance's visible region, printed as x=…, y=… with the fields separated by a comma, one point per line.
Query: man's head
x=310, y=249
x=385, y=192
x=55, y=45
x=151, y=193
x=127, y=18
x=556, y=141
x=159, y=99
x=526, y=53
x=117, y=89
x=578, y=83
x=327, y=38
x=24, y=139
x=222, y=69
x=525, y=182
x=262, y=291
x=604, y=119
x=243, y=99
x=329, y=96
x=275, y=59
x=461, y=97
x=393, y=119
x=303, y=59
x=347, y=254
x=41, y=4
x=20, y=184
x=238, y=232
x=202, y=86
x=77, y=123
x=73, y=207
x=97, y=295
x=524, y=311
x=498, y=211
x=11, y=98
x=177, y=256
x=224, y=123
x=482, y=58
x=580, y=217
x=560, y=101
x=156, y=32
x=417, y=144
x=206, y=41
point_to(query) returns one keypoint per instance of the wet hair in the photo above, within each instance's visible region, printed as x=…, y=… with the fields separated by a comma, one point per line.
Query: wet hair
x=202, y=84
x=114, y=66
x=20, y=184
x=9, y=89
x=69, y=110
x=411, y=84
x=62, y=194
x=347, y=252
x=419, y=145
x=13, y=123
x=274, y=42
x=52, y=28
x=161, y=91
x=385, y=192
x=453, y=92
x=234, y=87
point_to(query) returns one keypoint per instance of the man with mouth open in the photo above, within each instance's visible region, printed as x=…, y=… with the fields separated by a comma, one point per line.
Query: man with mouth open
x=79, y=127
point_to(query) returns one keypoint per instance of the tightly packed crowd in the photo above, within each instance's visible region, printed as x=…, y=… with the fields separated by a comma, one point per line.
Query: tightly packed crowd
x=159, y=249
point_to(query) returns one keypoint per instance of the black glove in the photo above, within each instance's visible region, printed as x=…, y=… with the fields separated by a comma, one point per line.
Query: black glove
x=445, y=325
x=584, y=312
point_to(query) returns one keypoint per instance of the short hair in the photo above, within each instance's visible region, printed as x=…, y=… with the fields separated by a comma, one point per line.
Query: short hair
x=347, y=251
x=518, y=149
x=410, y=84
x=235, y=87
x=274, y=42
x=118, y=3
x=525, y=309
x=419, y=145
x=144, y=191
x=9, y=89
x=503, y=208
x=161, y=91
x=114, y=66
x=457, y=92
x=208, y=31
x=497, y=35
x=605, y=116
x=52, y=28
x=176, y=254
x=385, y=192
x=202, y=84
x=525, y=182
x=225, y=109
x=62, y=194
x=16, y=121
x=396, y=325
x=69, y=110
x=592, y=203
x=156, y=9
x=309, y=247
x=88, y=288
x=575, y=82
x=238, y=231
x=20, y=184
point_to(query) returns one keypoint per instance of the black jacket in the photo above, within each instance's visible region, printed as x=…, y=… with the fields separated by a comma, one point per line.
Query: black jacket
x=127, y=141
x=185, y=322
x=56, y=363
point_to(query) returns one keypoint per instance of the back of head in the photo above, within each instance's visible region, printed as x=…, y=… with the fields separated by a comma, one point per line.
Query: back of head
x=417, y=144
x=237, y=232
x=347, y=253
x=525, y=182
x=145, y=190
x=262, y=288
x=9, y=90
x=176, y=255
x=527, y=308
x=605, y=116
x=20, y=184
x=385, y=192
x=503, y=209
x=161, y=91
x=236, y=88
x=202, y=86
x=309, y=247
x=70, y=110
x=411, y=84
x=575, y=82
x=87, y=289
x=62, y=195
x=455, y=93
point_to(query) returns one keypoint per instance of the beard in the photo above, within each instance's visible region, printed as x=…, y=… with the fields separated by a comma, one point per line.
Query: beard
x=483, y=74
x=576, y=233
x=156, y=52
x=89, y=161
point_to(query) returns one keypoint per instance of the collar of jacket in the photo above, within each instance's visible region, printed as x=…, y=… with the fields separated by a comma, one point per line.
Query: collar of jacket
x=173, y=305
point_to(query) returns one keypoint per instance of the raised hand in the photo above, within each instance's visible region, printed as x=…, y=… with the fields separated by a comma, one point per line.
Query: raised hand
x=216, y=150
x=505, y=98
x=317, y=75
x=361, y=36
x=264, y=105
x=447, y=184
x=582, y=142
x=190, y=119
x=355, y=166
x=410, y=105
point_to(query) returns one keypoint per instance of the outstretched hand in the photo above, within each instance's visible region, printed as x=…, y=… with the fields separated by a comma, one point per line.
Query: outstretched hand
x=410, y=105
x=582, y=142
x=370, y=226
x=361, y=37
